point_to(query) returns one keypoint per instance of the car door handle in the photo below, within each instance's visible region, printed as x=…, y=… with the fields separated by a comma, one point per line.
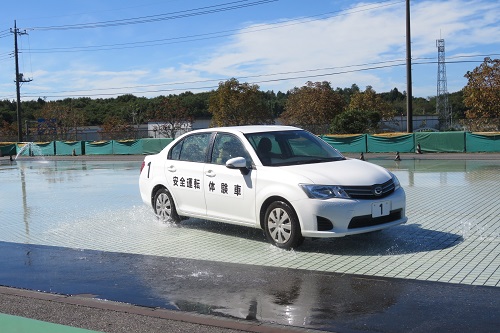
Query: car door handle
x=210, y=173
x=171, y=168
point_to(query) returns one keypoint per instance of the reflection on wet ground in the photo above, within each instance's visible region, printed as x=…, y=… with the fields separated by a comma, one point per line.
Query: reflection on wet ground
x=301, y=298
x=80, y=227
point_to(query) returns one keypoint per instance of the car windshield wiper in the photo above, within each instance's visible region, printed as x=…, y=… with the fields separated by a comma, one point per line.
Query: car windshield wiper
x=323, y=159
x=309, y=161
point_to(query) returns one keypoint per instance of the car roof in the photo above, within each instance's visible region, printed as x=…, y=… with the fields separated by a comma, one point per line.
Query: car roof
x=246, y=129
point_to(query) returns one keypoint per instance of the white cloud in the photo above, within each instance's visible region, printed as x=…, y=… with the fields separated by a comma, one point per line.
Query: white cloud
x=361, y=35
x=360, y=38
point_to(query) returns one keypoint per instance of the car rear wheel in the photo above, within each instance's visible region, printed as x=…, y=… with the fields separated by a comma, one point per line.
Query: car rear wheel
x=164, y=207
x=282, y=226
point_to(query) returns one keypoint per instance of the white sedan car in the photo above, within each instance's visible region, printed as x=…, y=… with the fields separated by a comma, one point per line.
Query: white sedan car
x=282, y=179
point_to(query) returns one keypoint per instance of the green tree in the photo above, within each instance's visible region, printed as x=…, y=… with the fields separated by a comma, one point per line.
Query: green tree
x=482, y=96
x=456, y=103
x=196, y=104
x=235, y=103
x=355, y=121
x=348, y=92
x=313, y=106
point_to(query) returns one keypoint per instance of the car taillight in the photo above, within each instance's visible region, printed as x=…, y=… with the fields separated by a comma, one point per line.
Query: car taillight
x=142, y=166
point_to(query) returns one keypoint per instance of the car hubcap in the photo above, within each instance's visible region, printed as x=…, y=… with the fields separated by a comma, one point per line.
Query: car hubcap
x=163, y=207
x=279, y=225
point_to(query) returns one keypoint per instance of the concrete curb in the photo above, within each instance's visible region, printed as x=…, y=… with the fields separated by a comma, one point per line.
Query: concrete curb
x=14, y=302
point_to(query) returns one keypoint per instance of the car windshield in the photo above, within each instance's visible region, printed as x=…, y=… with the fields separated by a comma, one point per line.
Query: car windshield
x=291, y=148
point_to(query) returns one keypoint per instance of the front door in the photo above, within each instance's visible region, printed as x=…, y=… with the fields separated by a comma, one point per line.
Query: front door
x=229, y=194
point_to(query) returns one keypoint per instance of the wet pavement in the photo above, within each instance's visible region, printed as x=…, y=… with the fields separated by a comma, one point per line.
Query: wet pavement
x=79, y=228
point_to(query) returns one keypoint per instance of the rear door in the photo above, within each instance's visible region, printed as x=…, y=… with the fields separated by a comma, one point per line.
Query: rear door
x=184, y=173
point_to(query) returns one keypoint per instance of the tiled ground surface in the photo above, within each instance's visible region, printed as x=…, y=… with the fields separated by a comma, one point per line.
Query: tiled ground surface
x=453, y=233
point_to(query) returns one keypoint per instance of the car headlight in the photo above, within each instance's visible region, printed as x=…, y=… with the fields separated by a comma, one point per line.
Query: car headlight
x=396, y=182
x=324, y=191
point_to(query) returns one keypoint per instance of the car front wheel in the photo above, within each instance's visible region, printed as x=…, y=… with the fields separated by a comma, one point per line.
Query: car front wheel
x=164, y=207
x=282, y=226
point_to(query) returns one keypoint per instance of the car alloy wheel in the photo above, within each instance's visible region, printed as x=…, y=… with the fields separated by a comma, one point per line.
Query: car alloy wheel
x=164, y=207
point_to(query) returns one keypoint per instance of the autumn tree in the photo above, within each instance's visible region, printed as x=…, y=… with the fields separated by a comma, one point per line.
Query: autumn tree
x=115, y=128
x=57, y=121
x=235, y=103
x=313, y=106
x=482, y=96
x=369, y=100
x=171, y=117
x=8, y=131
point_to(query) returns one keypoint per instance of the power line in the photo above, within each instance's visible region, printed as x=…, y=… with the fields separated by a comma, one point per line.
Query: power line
x=240, y=77
x=212, y=35
x=208, y=87
x=255, y=28
x=215, y=8
x=161, y=17
x=381, y=66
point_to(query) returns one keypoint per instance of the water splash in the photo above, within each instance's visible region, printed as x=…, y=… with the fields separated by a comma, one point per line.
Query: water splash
x=32, y=148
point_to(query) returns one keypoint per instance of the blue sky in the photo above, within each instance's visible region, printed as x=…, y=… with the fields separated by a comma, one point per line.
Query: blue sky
x=105, y=48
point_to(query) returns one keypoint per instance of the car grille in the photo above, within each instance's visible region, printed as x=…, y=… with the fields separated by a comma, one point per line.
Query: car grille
x=368, y=220
x=370, y=192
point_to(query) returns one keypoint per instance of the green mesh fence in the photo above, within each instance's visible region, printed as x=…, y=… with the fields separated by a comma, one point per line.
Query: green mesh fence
x=127, y=147
x=99, y=148
x=36, y=148
x=7, y=149
x=359, y=143
x=347, y=143
x=482, y=142
x=154, y=146
x=70, y=148
x=387, y=143
x=439, y=142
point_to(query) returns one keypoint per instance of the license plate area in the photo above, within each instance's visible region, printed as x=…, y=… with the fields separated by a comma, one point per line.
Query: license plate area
x=381, y=208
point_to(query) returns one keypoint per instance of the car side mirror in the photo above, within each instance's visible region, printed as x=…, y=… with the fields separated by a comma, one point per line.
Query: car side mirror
x=238, y=163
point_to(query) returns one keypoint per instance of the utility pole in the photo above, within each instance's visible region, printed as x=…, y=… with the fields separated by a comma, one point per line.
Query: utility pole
x=409, y=97
x=19, y=79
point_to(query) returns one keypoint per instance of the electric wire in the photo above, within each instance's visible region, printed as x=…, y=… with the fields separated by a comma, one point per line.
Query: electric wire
x=194, y=88
x=202, y=10
x=212, y=35
x=160, y=17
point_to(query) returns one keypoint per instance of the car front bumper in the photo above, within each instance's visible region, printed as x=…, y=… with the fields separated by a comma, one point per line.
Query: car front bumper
x=342, y=217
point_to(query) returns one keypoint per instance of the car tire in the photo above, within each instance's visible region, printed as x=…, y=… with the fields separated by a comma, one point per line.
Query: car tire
x=282, y=226
x=164, y=206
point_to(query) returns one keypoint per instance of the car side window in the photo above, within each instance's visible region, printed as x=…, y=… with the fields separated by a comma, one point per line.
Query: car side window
x=192, y=148
x=227, y=146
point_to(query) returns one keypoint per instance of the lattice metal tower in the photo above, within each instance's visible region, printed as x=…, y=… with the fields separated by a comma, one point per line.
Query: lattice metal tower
x=442, y=107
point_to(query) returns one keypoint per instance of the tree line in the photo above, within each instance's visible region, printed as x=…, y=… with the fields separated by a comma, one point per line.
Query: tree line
x=316, y=106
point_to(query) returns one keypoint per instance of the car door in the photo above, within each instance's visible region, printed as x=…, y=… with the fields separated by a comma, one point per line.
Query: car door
x=184, y=172
x=229, y=193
